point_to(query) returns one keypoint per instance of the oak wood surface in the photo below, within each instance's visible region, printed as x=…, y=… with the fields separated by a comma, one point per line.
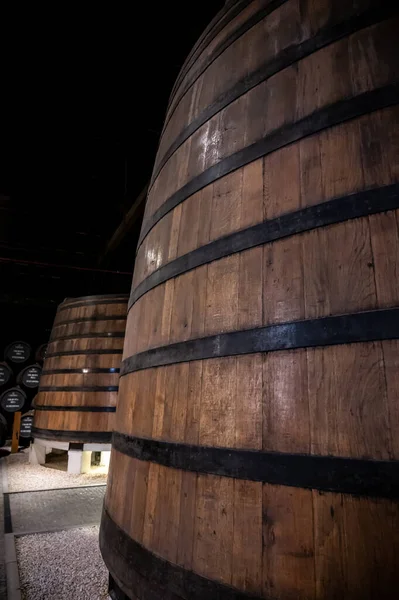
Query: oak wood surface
x=272, y=541
x=102, y=317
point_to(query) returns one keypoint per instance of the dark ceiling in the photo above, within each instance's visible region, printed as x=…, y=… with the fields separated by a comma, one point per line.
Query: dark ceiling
x=84, y=93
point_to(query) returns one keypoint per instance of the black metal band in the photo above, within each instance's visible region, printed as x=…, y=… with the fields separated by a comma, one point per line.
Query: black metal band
x=78, y=388
x=338, y=210
x=91, y=303
x=77, y=336
x=87, y=352
x=114, y=591
x=374, y=478
x=89, y=319
x=228, y=41
x=324, y=118
x=87, y=437
x=82, y=371
x=218, y=23
x=327, y=35
x=95, y=298
x=367, y=326
x=150, y=577
x=91, y=409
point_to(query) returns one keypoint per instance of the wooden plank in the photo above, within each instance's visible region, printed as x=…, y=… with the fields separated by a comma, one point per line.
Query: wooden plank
x=285, y=402
x=348, y=401
x=159, y=402
x=283, y=281
x=140, y=393
x=341, y=160
x=288, y=546
x=15, y=432
x=136, y=499
x=252, y=210
x=150, y=507
x=250, y=307
x=182, y=314
x=247, y=539
x=338, y=269
x=311, y=185
x=222, y=295
x=166, y=529
x=281, y=182
x=390, y=351
x=350, y=540
x=179, y=406
x=330, y=556
x=185, y=545
x=213, y=546
x=217, y=421
x=248, y=407
x=194, y=397
x=226, y=205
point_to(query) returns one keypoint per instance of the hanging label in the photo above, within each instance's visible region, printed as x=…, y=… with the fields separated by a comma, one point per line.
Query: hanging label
x=26, y=426
x=31, y=377
x=12, y=400
x=18, y=352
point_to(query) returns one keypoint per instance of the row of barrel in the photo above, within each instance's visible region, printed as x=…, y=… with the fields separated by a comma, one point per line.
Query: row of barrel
x=255, y=446
x=19, y=381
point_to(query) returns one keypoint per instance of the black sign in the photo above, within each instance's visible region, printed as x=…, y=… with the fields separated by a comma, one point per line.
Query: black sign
x=30, y=376
x=5, y=374
x=18, y=352
x=26, y=426
x=12, y=400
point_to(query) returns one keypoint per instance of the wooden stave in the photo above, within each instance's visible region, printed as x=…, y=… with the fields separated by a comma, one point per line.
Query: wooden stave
x=144, y=470
x=325, y=34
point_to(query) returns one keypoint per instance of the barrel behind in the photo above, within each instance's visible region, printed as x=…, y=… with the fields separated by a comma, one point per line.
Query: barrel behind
x=256, y=447
x=79, y=383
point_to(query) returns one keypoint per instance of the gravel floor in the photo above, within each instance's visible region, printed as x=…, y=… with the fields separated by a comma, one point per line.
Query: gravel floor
x=66, y=565
x=25, y=477
x=51, y=510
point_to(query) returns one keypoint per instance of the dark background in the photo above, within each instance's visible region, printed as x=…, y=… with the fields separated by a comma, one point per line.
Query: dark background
x=83, y=99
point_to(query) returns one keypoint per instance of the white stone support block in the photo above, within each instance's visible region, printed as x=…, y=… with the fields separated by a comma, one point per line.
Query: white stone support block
x=78, y=462
x=105, y=458
x=37, y=454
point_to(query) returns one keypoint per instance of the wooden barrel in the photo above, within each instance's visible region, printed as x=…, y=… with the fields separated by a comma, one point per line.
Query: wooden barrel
x=13, y=400
x=17, y=352
x=257, y=433
x=29, y=377
x=79, y=382
x=40, y=353
x=5, y=374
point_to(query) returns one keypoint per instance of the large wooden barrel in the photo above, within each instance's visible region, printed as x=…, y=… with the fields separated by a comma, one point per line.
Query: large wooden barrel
x=257, y=432
x=79, y=382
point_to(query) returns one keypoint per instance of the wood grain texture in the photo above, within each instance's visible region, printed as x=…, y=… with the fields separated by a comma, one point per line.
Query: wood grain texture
x=272, y=541
x=300, y=175
x=98, y=317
